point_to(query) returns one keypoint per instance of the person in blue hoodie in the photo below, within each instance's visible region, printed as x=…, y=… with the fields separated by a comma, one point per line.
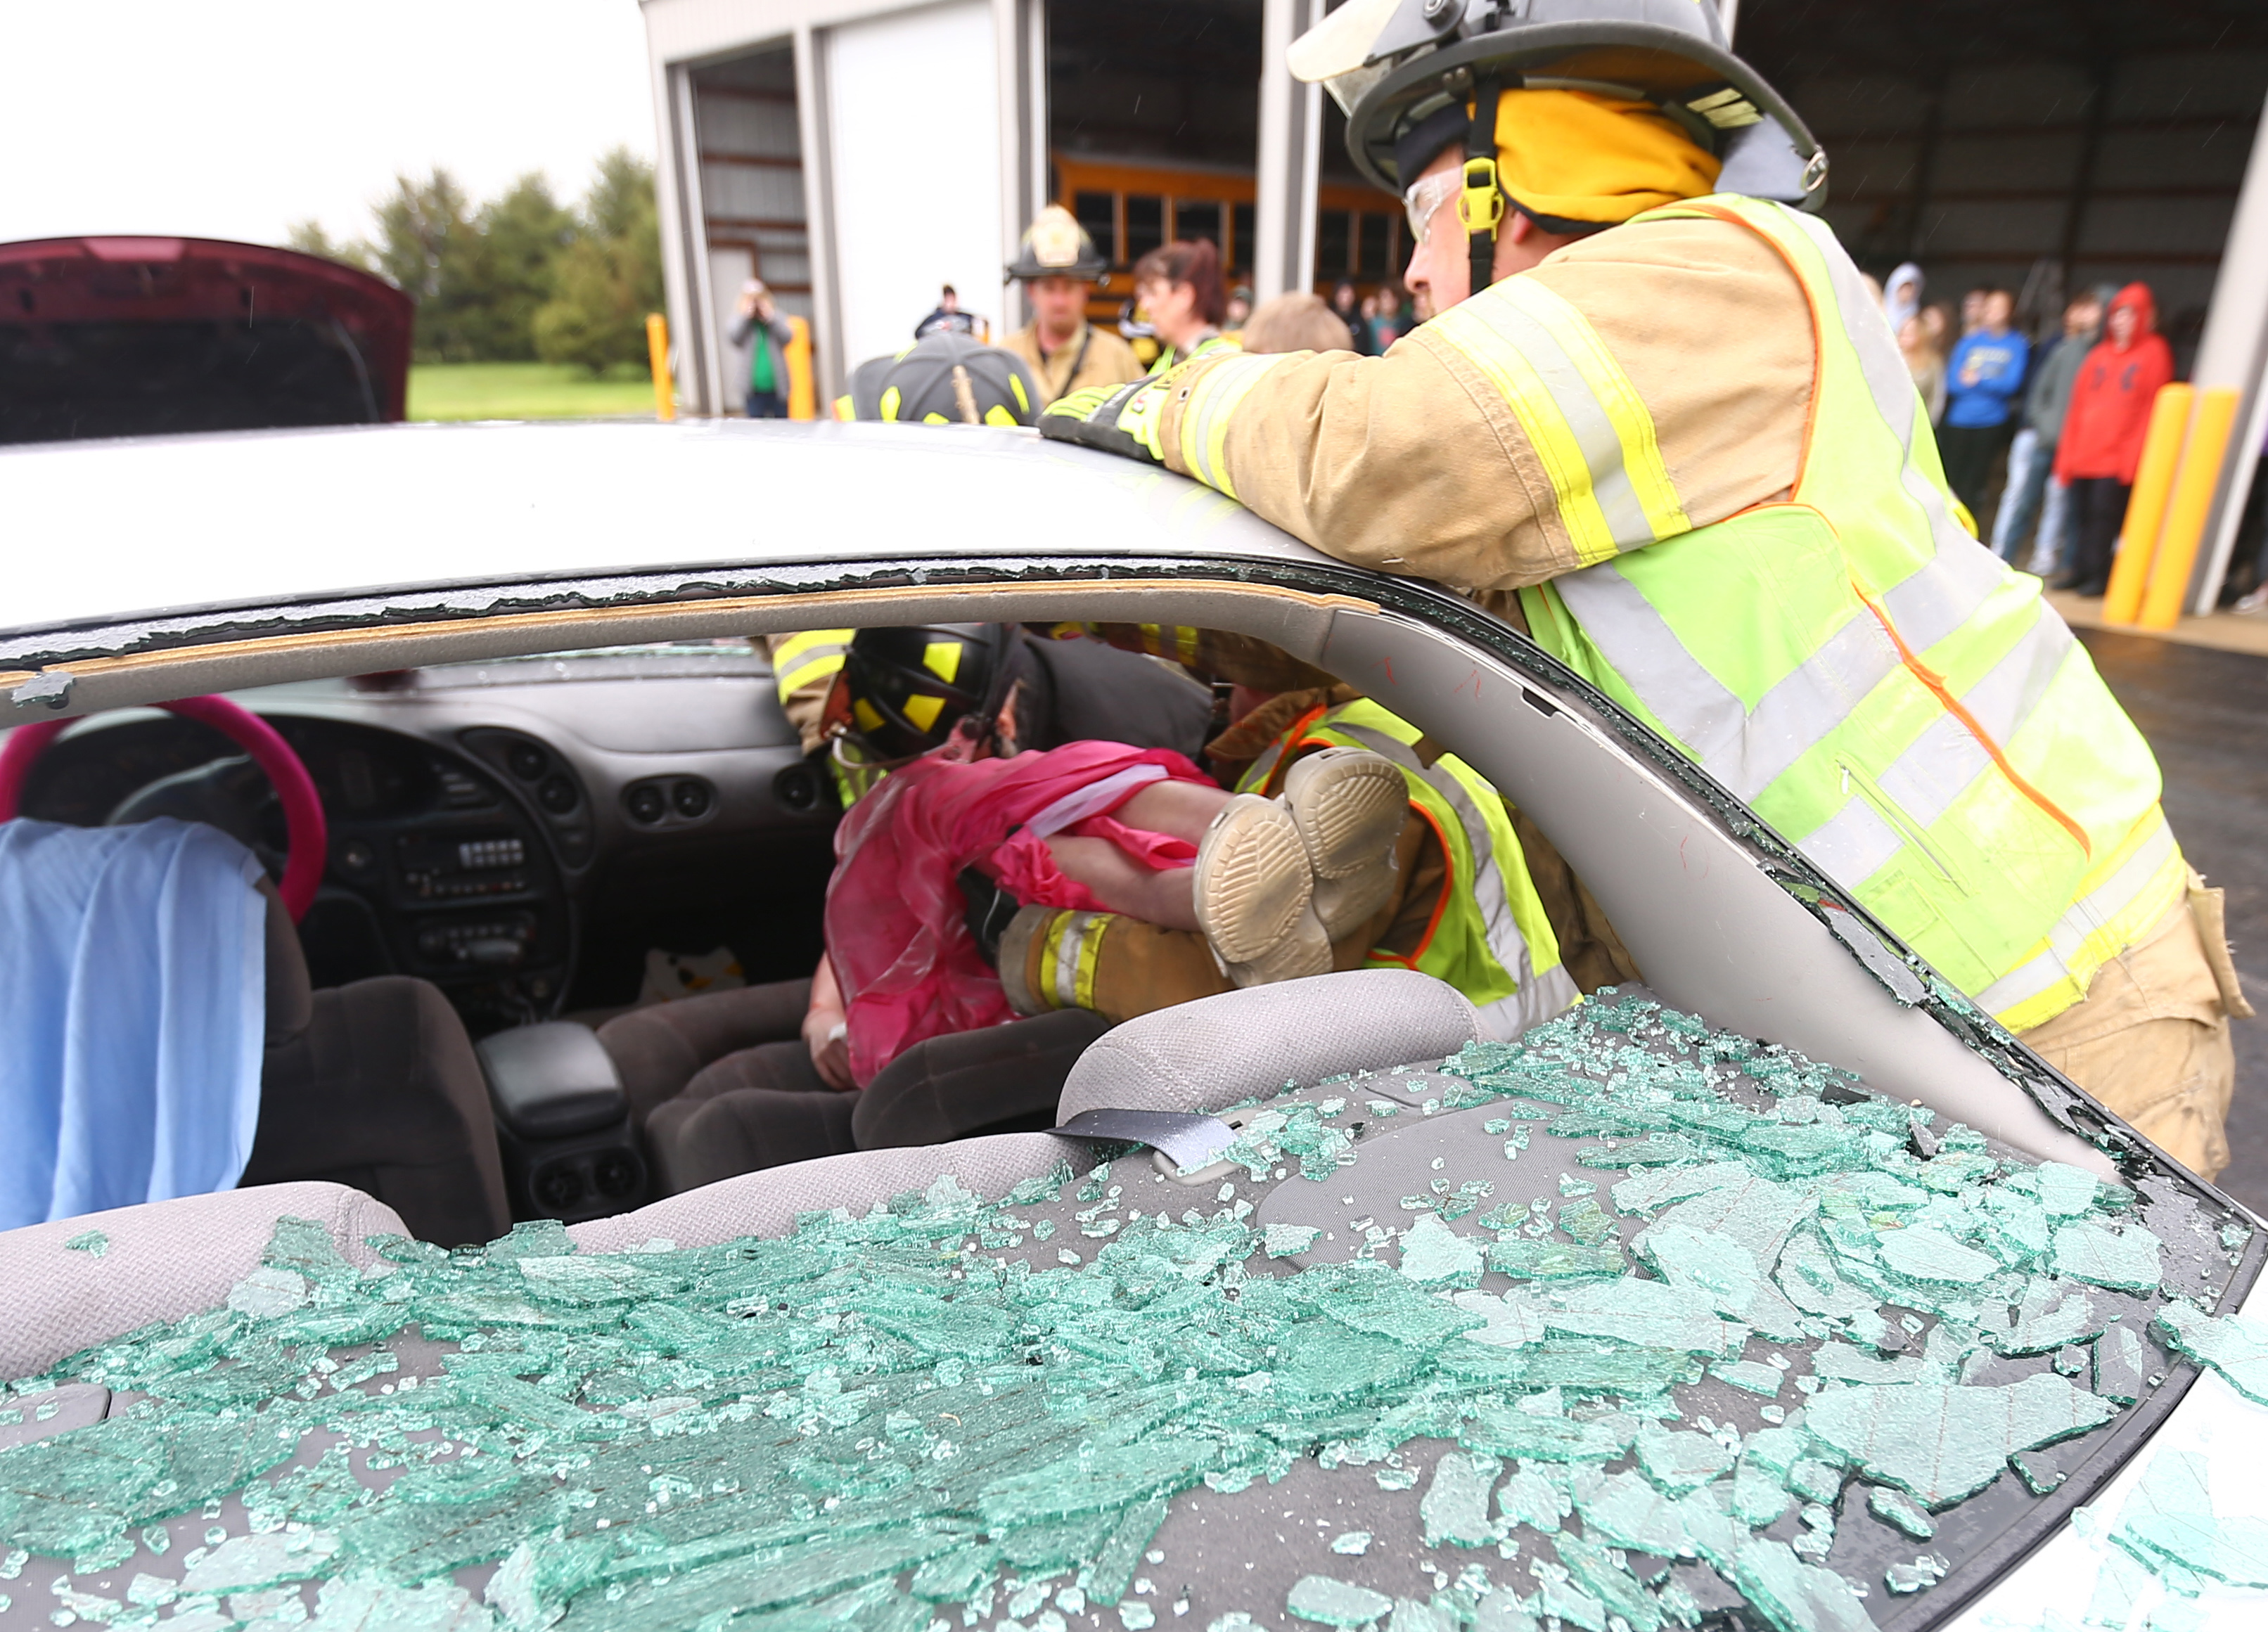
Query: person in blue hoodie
x=1985, y=385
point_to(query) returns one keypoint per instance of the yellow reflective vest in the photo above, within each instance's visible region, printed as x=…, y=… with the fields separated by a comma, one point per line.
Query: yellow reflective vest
x=804, y=666
x=1848, y=660
x=1490, y=937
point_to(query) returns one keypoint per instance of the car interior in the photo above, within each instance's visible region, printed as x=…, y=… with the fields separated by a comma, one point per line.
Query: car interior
x=525, y=841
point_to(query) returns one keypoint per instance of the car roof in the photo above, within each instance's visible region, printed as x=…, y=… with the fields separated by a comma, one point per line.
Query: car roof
x=146, y=526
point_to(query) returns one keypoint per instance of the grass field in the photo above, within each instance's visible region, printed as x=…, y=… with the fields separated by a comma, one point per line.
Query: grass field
x=526, y=391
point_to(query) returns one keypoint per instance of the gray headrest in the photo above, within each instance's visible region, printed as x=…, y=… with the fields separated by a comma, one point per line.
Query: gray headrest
x=1202, y=1056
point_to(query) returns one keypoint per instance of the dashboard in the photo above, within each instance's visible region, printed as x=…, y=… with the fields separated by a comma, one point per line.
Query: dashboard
x=524, y=834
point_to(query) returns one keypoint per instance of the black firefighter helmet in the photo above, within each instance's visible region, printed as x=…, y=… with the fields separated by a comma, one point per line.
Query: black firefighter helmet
x=903, y=691
x=945, y=379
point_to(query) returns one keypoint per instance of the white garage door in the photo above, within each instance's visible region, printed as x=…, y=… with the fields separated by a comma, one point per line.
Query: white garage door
x=914, y=118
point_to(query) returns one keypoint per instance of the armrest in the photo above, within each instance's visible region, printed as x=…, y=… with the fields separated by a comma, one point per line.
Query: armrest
x=552, y=1081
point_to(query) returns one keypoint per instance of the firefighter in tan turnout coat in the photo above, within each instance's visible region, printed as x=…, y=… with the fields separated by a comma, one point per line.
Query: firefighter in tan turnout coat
x=1671, y=438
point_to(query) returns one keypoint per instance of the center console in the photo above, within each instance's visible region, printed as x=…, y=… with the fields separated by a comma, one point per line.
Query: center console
x=564, y=1122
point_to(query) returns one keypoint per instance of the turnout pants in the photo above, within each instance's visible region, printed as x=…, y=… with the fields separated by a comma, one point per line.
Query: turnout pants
x=2151, y=1038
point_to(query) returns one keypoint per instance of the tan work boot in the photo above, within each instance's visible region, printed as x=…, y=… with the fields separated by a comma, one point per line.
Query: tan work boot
x=1349, y=806
x=1254, y=896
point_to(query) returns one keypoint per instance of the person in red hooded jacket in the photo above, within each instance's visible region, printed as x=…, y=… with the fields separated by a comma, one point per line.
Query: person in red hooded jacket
x=2102, y=433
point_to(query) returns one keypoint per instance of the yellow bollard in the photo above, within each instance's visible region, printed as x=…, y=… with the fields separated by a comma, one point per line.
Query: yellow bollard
x=2146, y=508
x=2186, y=511
x=657, y=352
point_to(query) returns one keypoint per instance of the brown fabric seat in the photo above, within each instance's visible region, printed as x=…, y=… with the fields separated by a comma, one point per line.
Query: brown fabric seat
x=725, y=1084
x=375, y=1085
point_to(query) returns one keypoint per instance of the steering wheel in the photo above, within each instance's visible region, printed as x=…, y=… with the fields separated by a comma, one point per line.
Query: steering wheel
x=309, y=836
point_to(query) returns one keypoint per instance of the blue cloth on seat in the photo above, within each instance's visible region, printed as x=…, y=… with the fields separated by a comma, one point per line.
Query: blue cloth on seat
x=133, y=1005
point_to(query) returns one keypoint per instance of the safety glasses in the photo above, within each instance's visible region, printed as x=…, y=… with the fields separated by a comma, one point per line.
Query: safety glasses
x=1424, y=198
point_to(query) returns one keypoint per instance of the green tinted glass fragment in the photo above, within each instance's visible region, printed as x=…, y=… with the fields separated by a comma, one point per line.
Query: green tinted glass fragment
x=1652, y=1314
x=1893, y=1507
x=1331, y=1603
x=2232, y=1345
x=1943, y=1442
x=1677, y=1460
x=1598, y=1575
x=1623, y=1509
x=1531, y=1437
x=1796, y=1595
x=2170, y=1518
x=1455, y=1507
x=2129, y=1259
x=1533, y=1496
x=1915, y=1574
x=1752, y=1376
x=1434, y=1255
x=1926, y=1254
x=2065, y=1191
x=1556, y=1260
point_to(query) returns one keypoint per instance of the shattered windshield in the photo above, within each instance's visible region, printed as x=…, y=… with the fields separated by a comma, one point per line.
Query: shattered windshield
x=1629, y=1325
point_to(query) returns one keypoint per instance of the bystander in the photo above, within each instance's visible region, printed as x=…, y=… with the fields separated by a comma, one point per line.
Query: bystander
x=757, y=323
x=2033, y=489
x=1058, y=265
x=1298, y=321
x=2102, y=432
x=950, y=318
x=1983, y=390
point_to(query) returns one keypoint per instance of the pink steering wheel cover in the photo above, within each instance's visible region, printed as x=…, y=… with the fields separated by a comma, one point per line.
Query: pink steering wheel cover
x=303, y=808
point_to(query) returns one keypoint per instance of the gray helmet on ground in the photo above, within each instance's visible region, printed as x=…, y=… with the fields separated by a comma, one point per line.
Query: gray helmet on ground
x=1405, y=70
x=1056, y=246
x=946, y=380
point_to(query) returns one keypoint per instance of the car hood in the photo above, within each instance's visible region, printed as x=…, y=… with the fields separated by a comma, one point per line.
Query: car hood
x=122, y=336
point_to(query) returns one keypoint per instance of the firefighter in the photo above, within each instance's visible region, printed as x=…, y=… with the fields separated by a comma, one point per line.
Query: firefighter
x=1457, y=902
x=1058, y=265
x=1671, y=438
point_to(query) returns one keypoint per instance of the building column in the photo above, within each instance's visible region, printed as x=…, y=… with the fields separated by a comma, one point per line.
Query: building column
x=1291, y=136
x=684, y=251
x=811, y=112
x=1019, y=27
x=2233, y=354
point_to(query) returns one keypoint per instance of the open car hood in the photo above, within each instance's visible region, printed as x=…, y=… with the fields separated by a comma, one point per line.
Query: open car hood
x=127, y=336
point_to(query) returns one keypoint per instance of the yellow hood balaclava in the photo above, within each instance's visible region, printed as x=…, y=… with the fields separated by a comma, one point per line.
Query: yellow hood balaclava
x=1572, y=157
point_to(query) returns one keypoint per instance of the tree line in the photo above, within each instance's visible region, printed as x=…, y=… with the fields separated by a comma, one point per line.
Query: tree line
x=522, y=277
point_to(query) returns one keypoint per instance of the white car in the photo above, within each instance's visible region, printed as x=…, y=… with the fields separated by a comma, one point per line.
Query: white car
x=1783, y=1290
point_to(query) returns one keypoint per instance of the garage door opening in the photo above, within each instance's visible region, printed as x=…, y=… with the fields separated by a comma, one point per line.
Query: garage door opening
x=749, y=150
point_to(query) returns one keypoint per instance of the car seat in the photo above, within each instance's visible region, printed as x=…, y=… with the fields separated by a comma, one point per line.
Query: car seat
x=706, y=1078
x=374, y=1084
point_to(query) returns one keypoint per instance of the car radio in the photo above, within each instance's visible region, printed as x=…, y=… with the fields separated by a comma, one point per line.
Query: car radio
x=460, y=865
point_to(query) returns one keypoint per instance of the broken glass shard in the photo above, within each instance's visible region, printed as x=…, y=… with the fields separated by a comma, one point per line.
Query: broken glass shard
x=1924, y=1571
x=2170, y=1518
x=2232, y=1345
x=1925, y=1255
x=1677, y=1460
x=1943, y=1442
x=1752, y=1376
x=1332, y=1603
x=1893, y=1507
x=2128, y=1258
x=1435, y=1255
x=1455, y=1508
x=1556, y=1260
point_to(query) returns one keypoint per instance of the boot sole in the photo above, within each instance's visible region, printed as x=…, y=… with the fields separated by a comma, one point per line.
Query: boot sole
x=1349, y=806
x=1254, y=896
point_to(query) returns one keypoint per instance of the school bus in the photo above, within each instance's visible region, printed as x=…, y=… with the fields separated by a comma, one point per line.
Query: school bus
x=1130, y=208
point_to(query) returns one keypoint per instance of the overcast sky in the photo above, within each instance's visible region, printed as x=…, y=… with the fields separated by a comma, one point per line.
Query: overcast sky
x=236, y=118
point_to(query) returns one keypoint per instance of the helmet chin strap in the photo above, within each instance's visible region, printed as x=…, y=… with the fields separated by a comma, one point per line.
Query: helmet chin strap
x=1481, y=205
